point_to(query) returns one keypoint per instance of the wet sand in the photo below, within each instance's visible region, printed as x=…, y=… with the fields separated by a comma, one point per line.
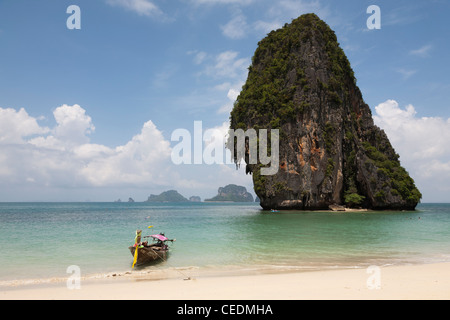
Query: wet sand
x=428, y=281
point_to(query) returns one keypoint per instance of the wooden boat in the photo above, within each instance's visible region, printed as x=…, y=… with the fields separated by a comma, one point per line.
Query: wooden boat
x=158, y=250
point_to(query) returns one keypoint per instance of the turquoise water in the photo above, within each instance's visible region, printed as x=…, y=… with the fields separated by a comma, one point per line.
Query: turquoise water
x=40, y=240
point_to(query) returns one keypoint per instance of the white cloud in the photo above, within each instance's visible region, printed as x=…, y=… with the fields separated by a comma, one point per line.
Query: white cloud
x=406, y=73
x=62, y=160
x=138, y=162
x=226, y=172
x=420, y=138
x=233, y=93
x=227, y=72
x=228, y=65
x=266, y=26
x=275, y=15
x=422, y=52
x=402, y=15
x=17, y=125
x=90, y=151
x=73, y=125
x=141, y=7
x=64, y=156
x=421, y=142
x=199, y=56
x=236, y=28
x=72, y=128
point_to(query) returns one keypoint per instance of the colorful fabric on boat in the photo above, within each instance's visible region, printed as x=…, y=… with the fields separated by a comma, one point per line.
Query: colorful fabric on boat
x=138, y=234
x=159, y=237
x=136, y=245
x=135, y=257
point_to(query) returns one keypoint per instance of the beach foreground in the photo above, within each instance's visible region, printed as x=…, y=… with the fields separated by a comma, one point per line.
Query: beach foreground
x=429, y=281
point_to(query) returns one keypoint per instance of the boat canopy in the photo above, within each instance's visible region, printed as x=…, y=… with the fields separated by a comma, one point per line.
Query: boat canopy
x=159, y=237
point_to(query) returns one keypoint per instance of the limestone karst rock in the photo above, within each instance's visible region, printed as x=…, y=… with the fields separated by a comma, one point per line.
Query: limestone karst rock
x=301, y=82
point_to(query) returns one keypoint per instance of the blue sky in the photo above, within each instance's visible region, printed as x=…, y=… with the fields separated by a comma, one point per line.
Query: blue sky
x=88, y=114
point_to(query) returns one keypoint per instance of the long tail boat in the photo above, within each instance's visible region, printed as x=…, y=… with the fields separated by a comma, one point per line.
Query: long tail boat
x=158, y=249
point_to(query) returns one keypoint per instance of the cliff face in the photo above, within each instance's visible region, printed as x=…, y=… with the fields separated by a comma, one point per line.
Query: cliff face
x=301, y=83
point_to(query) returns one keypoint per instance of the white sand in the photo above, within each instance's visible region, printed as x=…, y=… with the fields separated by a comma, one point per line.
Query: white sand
x=429, y=281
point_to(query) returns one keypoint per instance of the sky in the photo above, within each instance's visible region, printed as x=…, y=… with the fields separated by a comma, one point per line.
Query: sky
x=89, y=113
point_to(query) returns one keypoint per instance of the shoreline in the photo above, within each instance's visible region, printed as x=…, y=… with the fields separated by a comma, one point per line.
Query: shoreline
x=421, y=281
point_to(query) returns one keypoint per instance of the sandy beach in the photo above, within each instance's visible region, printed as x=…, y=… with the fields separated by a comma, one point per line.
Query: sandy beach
x=428, y=281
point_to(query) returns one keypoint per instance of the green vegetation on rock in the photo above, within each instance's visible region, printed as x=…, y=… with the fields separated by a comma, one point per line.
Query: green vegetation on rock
x=301, y=82
x=167, y=196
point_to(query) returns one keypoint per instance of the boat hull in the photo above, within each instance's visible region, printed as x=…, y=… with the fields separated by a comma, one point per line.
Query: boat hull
x=147, y=254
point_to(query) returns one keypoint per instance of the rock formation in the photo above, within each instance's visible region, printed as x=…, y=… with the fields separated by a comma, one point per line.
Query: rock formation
x=195, y=199
x=167, y=196
x=232, y=193
x=331, y=153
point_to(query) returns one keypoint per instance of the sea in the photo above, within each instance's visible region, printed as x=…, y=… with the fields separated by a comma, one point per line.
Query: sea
x=42, y=240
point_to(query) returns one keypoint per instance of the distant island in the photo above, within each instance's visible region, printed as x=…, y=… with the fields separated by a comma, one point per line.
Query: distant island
x=195, y=199
x=232, y=193
x=167, y=196
x=229, y=193
x=129, y=200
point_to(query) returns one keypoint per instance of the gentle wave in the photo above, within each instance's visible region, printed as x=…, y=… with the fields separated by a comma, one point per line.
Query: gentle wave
x=40, y=240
